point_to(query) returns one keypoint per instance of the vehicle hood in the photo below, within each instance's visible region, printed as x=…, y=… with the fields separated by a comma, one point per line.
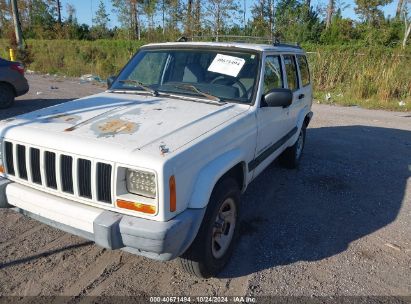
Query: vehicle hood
x=135, y=122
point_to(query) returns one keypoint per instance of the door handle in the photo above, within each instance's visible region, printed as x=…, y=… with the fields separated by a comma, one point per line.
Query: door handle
x=301, y=96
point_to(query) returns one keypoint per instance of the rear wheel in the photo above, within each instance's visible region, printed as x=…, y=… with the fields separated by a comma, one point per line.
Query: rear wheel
x=214, y=243
x=290, y=158
x=6, y=95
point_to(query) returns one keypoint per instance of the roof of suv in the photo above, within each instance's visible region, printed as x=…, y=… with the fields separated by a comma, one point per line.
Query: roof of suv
x=240, y=45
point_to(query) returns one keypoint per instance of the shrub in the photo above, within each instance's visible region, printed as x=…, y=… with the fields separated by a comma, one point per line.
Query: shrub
x=370, y=76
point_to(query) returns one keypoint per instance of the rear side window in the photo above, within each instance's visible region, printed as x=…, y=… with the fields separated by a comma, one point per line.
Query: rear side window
x=291, y=70
x=273, y=78
x=304, y=71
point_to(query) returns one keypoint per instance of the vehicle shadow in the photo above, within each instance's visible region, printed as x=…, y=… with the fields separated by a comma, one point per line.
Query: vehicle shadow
x=29, y=105
x=43, y=255
x=351, y=183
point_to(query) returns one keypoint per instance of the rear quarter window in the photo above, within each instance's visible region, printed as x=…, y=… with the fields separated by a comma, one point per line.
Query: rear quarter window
x=304, y=70
x=291, y=71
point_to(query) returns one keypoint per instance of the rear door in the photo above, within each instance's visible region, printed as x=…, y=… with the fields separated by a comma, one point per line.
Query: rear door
x=293, y=83
x=305, y=80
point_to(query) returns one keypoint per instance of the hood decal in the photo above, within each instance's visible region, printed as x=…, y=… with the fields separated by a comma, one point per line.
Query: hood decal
x=87, y=121
x=112, y=126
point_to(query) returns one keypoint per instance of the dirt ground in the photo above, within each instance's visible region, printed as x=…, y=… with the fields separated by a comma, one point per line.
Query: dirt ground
x=340, y=225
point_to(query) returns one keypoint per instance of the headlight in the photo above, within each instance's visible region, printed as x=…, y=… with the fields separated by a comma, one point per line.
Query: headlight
x=141, y=183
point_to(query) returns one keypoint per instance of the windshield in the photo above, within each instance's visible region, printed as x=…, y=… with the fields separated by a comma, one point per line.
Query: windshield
x=202, y=73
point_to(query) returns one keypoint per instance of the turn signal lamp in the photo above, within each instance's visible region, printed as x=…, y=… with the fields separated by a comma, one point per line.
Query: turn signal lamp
x=144, y=208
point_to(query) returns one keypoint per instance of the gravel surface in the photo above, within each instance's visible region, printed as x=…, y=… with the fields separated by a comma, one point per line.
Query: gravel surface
x=340, y=225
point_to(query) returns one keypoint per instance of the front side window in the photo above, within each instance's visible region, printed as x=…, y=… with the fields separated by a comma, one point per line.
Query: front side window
x=273, y=78
x=227, y=75
x=291, y=71
x=304, y=70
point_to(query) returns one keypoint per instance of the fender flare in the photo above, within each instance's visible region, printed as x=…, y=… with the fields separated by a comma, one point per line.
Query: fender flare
x=302, y=117
x=209, y=175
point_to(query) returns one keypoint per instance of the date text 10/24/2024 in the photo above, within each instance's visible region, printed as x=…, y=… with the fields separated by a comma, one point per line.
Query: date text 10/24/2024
x=202, y=299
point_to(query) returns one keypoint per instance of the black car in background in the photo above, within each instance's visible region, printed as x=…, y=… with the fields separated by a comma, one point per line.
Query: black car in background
x=12, y=82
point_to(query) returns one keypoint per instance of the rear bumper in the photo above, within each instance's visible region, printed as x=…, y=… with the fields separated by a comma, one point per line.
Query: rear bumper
x=22, y=89
x=156, y=240
x=21, y=86
x=18, y=82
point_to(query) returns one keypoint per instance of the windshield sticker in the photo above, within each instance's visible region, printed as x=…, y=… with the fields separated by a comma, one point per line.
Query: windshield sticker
x=227, y=65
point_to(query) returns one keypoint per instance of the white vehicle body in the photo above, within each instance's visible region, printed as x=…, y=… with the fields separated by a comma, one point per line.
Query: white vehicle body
x=195, y=142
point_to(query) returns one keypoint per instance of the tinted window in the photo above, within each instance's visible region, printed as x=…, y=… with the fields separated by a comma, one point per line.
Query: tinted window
x=272, y=75
x=291, y=70
x=304, y=71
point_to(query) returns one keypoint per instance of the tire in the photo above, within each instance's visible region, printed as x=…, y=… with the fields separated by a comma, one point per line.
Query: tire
x=205, y=258
x=290, y=158
x=6, y=95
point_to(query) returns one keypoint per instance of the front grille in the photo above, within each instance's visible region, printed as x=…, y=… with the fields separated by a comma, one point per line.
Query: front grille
x=66, y=170
x=66, y=174
x=35, y=165
x=9, y=158
x=84, y=177
x=50, y=166
x=21, y=161
x=104, y=182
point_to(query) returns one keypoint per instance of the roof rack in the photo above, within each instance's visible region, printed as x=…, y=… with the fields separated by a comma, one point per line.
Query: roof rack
x=233, y=38
x=278, y=43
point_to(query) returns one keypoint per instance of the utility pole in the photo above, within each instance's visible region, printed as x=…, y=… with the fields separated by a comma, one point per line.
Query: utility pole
x=17, y=26
x=58, y=11
x=271, y=19
x=330, y=11
x=197, y=17
x=164, y=18
x=244, y=16
x=188, y=25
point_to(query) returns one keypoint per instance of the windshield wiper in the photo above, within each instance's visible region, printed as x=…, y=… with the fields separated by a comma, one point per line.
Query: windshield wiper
x=140, y=85
x=194, y=89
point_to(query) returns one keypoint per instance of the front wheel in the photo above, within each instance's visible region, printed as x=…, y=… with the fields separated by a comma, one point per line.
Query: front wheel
x=290, y=158
x=214, y=243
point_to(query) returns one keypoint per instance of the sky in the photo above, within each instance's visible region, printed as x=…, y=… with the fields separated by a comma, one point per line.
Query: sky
x=85, y=9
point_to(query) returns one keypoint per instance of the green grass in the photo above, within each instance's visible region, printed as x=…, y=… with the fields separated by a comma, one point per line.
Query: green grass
x=78, y=57
x=373, y=77
x=377, y=78
x=338, y=98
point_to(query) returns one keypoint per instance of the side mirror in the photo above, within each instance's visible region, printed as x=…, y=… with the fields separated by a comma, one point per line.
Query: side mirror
x=278, y=98
x=110, y=81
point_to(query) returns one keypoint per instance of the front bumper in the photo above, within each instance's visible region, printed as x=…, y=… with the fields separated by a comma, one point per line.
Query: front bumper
x=156, y=240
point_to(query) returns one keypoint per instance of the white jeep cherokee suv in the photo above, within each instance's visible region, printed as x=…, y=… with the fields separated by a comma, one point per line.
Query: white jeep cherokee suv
x=156, y=164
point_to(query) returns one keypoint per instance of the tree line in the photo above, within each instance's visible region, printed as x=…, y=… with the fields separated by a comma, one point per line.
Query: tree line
x=164, y=20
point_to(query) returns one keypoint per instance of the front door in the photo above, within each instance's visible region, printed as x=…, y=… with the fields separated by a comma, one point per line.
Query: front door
x=272, y=121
